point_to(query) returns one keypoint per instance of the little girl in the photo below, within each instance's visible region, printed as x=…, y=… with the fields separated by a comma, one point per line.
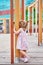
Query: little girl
x=22, y=43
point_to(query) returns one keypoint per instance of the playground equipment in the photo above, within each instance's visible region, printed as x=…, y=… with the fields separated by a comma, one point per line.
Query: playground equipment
x=4, y=25
x=17, y=19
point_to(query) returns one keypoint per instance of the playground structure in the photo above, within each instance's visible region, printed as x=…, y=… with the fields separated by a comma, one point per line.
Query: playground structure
x=17, y=17
x=5, y=24
x=34, y=5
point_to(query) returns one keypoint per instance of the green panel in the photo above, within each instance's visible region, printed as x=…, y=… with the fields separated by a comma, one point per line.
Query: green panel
x=1, y=21
x=34, y=16
x=26, y=14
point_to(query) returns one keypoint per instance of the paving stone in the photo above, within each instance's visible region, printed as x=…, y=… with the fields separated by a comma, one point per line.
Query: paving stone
x=35, y=51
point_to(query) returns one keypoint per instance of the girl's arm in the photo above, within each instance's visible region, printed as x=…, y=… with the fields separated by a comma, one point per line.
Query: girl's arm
x=17, y=32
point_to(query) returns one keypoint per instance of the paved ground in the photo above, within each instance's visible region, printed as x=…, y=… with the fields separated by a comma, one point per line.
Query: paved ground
x=4, y=48
x=35, y=51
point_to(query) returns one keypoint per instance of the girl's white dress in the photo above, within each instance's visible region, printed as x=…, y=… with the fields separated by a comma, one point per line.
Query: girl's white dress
x=22, y=41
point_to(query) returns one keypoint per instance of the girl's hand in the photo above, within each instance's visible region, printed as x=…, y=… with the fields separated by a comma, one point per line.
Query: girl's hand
x=17, y=32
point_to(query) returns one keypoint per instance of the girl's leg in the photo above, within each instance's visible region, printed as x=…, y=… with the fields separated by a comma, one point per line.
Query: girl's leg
x=25, y=56
x=23, y=53
x=21, y=56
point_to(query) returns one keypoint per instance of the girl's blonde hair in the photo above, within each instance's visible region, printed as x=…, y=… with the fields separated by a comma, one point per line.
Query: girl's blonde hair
x=23, y=24
x=20, y=24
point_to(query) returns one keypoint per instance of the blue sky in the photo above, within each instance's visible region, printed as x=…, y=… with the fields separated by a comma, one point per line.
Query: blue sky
x=28, y=2
x=5, y=5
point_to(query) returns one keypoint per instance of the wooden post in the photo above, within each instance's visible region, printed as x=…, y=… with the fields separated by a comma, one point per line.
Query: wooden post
x=36, y=16
x=40, y=23
x=4, y=24
x=30, y=20
x=12, y=38
x=17, y=19
x=22, y=9
x=9, y=26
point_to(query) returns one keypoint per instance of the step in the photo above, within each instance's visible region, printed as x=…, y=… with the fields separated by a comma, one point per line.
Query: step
x=35, y=55
x=24, y=63
x=32, y=61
